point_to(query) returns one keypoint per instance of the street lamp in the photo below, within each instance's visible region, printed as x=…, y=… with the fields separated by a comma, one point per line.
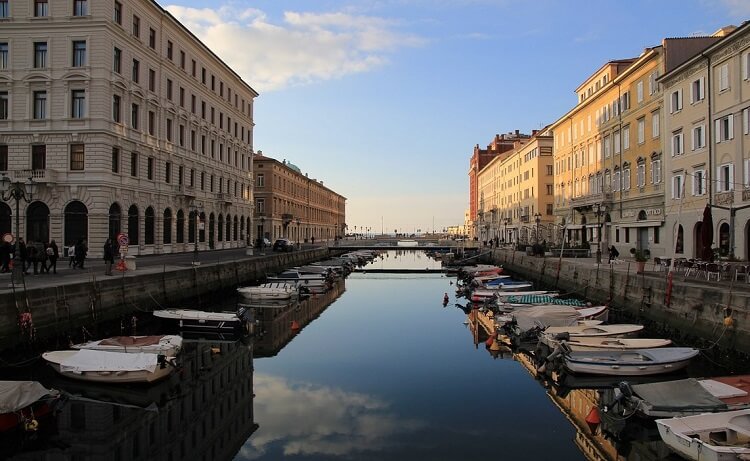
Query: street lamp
x=505, y=237
x=537, y=218
x=298, y=232
x=17, y=191
x=598, y=233
x=195, y=208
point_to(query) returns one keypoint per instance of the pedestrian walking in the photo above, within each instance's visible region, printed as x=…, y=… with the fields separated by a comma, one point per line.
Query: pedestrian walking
x=109, y=256
x=81, y=250
x=31, y=257
x=72, y=255
x=41, y=254
x=53, y=253
x=23, y=256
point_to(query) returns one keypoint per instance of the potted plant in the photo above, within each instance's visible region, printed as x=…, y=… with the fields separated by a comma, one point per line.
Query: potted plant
x=640, y=256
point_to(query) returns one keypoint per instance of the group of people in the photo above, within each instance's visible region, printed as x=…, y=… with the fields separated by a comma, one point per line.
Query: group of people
x=40, y=256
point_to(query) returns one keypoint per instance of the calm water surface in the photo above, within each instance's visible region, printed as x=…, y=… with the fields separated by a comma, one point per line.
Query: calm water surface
x=380, y=370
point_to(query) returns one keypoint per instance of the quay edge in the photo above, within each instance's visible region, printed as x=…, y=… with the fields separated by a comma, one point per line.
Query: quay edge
x=63, y=308
x=696, y=314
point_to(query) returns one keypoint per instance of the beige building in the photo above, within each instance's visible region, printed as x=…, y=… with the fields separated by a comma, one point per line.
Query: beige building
x=291, y=205
x=125, y=122
x=516, y=191
x=702, y=148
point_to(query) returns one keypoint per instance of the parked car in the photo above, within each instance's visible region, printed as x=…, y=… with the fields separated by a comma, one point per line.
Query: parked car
x=283, y=245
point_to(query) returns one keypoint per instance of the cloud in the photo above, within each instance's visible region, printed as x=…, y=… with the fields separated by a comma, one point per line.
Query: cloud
x=303, y=48
x=328, y=421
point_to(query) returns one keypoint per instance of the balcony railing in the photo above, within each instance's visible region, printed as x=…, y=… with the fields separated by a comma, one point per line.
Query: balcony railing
x=725, y=198
x=588, y=200
x=187, y=191
x=224, y=197
x=39, y=176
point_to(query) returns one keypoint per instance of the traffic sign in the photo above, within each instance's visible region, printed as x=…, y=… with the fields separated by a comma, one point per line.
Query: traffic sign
x=122, y=239
x=8, y=237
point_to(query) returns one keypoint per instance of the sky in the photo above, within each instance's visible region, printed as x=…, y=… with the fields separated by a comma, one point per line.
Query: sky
x=384, y=100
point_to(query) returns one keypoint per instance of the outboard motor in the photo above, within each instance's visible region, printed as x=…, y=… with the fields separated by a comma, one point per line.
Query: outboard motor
x=565, y=336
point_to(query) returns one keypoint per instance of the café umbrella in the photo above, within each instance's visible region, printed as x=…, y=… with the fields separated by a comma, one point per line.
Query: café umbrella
x=707, y=234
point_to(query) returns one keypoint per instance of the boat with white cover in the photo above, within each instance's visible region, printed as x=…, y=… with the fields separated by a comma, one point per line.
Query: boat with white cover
x=168, y=345
x=631, y=362
x=22, y=402
x=586, y=343
x=219, y=322
x=708, y=437
x=617, y=330
x=271, y=290
x=109, y=367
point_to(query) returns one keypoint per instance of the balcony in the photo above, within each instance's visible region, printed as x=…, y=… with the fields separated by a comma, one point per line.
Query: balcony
x=746, y=195
x=726, y=198
x=186, y=191
x=224, y=197
x=604, y=198
x=45, y=176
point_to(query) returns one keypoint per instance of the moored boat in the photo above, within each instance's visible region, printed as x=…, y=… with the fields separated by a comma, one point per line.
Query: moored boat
x=709, y=436
x=168, y=345
x=618, y=330
x=23, y=401
x=272, y=290
x=632, y=362
x=586, y=343
x=220, y=322
x=109, y=367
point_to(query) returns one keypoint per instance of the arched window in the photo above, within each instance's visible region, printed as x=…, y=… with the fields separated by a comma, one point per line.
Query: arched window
x=180, y=226
x=37, y=219
x=76, y=222
x=133, y=223
x=150, y=223
x=229, y=227
x=724, y=239
x=679, y=246
x=191, y=226
x=234, y=229
x=221, y=227
x=167, y=234
x=211, y=230
x=115, y=220
x=202, y=227
x=242, y=228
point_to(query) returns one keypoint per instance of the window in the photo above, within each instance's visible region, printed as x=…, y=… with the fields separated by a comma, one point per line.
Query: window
x=136, y=71
x=117, y=13
x=133, y=164
x=40, y=105
x=675, y=101
x=725, y=128
x=169, y=129
x=117, y=60
x=4, y=114
x=746, y=119
x=169, y=89
x=616, y=139
x=678, y=147
x=39, y=157
x=616, y=181
x=182, y=97
x=655, y=171
x=80, y=7
x=260, y=205
x=4, y=55
x=260, y=180
x=626, y=138
x=167, y=172
x=640, y=174
x=76, y=157
x=151, y=80
x=652, y=84
x=639, y=91
x=152, y=39
x=655, y=124
x=182, y=60
x=193, y=67
x=150, y=168
x=169, y=49
x=203, y=75
x=699, y=137
x=79, y=53
x=697, y=92
x=723, y=77
x=116, y=108
x=181, y=135
x=40, y=55
x=134, y=109
x=115, y=160
x=607, y=147
x=699, y=182
x=4, y=10
x=193, y=103
x=151, y=123
x=41, y=8
x=4, y=157
x=625, y=101
x=725, y=178
x=626, y=178
x=78, y=104
x=136, y=26
x=641, y=130
x=677, y=185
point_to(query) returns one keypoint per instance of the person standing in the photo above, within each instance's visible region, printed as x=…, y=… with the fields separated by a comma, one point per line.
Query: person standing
x=109, y=256
x=5, y=251
x=23, y=256
x=72, y=255
x=32, y=257
x=53, y=253
x=81, y=250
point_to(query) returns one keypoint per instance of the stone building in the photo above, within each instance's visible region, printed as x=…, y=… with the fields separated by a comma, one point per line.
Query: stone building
x=125, y=122
x=289, y=204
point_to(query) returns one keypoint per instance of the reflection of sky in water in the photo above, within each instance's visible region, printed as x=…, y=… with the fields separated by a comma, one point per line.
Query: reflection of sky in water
x=388, y=373
x=404, y=259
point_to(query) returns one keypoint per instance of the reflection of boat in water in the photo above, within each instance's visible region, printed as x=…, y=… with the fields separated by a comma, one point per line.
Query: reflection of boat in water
x=189, y=319
x=21, y=402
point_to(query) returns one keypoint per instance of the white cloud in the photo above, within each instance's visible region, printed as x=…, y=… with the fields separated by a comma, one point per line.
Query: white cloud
x=303, y=48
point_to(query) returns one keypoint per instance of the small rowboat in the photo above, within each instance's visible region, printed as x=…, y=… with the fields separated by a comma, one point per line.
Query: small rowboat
x=631, y=362
x=109, y=367
x=585, y=343
x=708, y=437
x=168, y=345
x=619, y=330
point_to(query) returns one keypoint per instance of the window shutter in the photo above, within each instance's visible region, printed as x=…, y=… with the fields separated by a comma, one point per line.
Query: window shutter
x=745, y=119
x=717, y=131
x=746, y=173
x=672, y=102
x=703, y=87
x=731, y=126
x=718, y=180
x=674, y=186
x=679, y=99
x=731, y=177
x=693, y=96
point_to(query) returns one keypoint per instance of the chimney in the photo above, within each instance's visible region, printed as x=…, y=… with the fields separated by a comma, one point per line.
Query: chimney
x=517, y=133
x=534, y=132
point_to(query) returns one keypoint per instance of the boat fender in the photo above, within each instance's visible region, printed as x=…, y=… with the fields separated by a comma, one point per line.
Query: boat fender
x=593, y=420
x=31, y=425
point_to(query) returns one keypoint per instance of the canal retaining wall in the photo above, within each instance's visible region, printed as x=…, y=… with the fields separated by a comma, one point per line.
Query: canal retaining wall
x=63, y=308
x=711, y=315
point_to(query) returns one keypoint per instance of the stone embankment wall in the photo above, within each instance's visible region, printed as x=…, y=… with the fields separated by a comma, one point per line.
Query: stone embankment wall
x=63, y=308
x=710, y=315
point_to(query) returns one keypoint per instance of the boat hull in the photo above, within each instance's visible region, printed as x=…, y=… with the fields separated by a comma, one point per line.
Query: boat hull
x=57, y=358
x=638, y=362
x=693, y=436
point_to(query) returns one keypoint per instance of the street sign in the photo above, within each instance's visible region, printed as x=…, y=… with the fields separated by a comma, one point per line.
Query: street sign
x=8, y=237
x=122, y=239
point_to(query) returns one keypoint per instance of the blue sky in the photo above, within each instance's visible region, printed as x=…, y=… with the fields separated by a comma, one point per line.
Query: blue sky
x=384, y=100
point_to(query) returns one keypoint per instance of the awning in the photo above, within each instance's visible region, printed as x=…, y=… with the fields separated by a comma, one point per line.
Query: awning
x=640, y=224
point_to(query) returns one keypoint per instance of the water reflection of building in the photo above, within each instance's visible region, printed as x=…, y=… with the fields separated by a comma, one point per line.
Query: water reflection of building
x=204, y=412
x=576, y=404
x=275, y=327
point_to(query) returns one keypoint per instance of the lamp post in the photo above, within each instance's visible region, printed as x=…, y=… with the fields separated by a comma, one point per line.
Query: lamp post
x=298, y=221
x=598, y=233
x=262, y=236
x=505, y=237
x=195, y=207
x=17, y=191
x=537, y=218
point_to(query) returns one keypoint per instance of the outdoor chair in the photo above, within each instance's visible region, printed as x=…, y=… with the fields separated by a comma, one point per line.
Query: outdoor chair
x=713, y=270
x=740, y=272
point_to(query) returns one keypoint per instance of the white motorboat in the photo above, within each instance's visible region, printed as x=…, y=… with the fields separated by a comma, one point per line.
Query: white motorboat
x=618, y=330
x=709, y=436
x=586, y=343
x=219, y=322
x=631, y=362
x=272, y=290
x=168, y=345
x=109, y=367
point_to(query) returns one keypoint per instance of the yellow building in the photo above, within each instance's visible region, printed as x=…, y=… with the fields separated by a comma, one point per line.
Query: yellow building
x=516, y=191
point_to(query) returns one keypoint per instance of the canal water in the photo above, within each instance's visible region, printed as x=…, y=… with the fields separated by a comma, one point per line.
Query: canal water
x=377, y=369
